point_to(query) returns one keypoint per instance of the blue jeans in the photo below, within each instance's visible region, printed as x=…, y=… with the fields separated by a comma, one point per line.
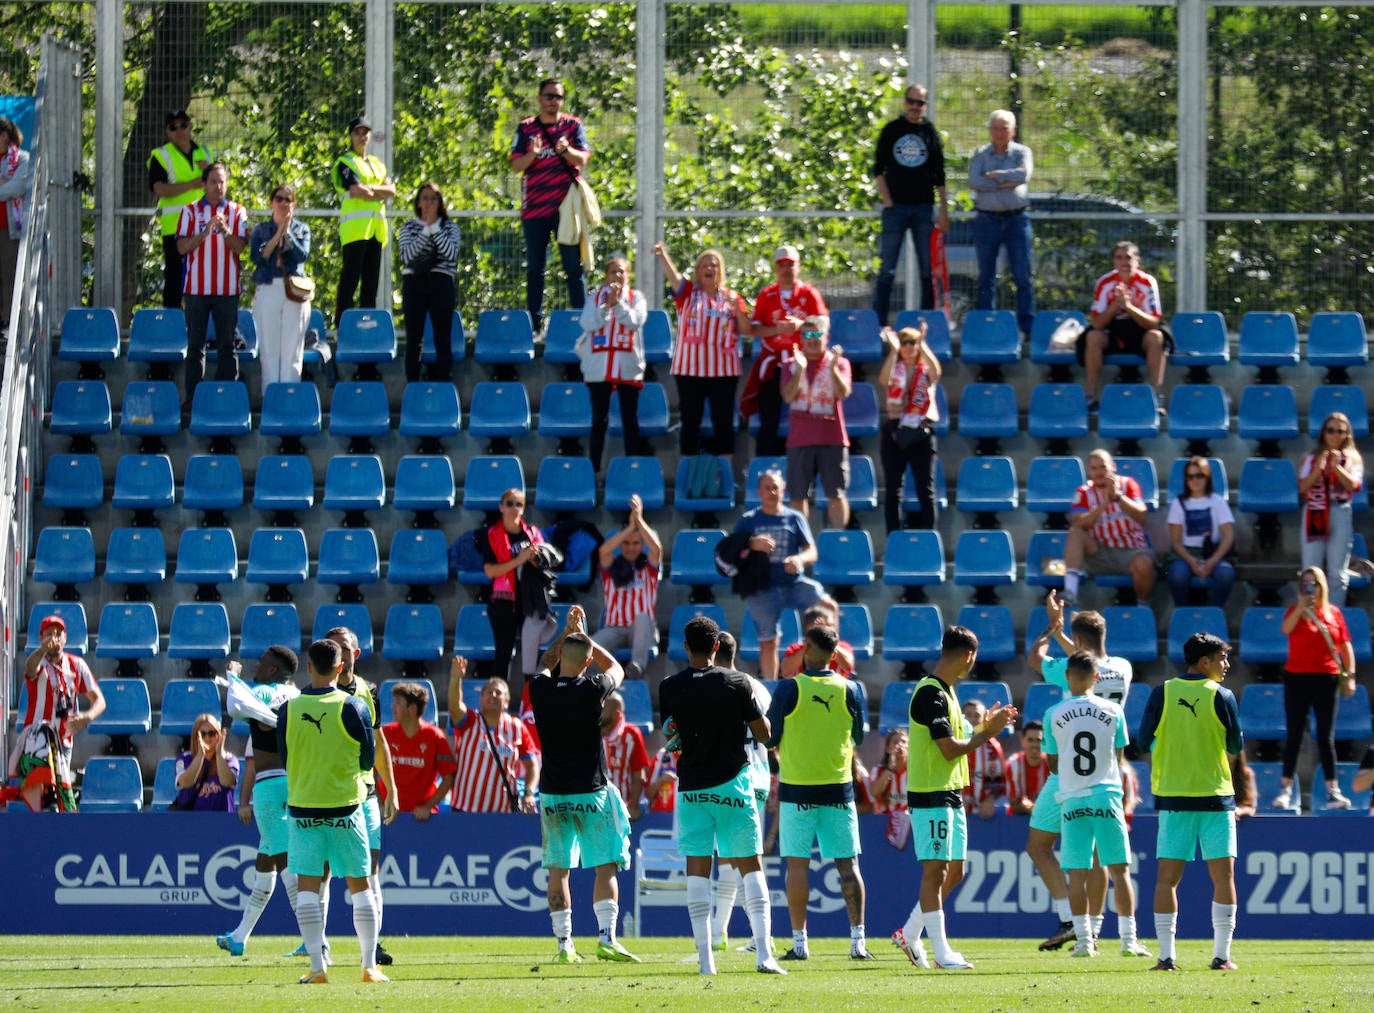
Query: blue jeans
x=1333, y=553
x=538, y=232
x=990, y=233
x=897, y=220
x=1181, y=579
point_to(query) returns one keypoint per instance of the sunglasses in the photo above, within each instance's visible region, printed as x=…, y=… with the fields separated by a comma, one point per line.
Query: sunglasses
x=1194, y=474
x=1337, y=432
x=513, y=502
x=552, y=96
x=812, y=334
x=909, y=341
x=915, y=101
x=281, y=199
x=179, y=126
x=209, y=733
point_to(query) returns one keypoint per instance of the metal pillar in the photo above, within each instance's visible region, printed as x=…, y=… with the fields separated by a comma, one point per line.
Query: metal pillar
x=379, y=98
x=109, y=149
x=650, y=55
x=1191, y=255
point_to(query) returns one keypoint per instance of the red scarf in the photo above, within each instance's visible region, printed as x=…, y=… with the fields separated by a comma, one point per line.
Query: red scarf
x=499, y=538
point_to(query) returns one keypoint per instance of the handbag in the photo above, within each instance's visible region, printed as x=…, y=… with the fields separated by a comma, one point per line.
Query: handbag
x=298, y=287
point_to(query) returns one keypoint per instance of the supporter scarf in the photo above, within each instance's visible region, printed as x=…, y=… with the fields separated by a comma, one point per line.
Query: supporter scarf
x=817, y=395
x=498, y=537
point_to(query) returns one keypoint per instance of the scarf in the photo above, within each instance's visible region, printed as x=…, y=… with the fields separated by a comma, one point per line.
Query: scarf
x=909, y=393
x=498, y=537
x=816, y=396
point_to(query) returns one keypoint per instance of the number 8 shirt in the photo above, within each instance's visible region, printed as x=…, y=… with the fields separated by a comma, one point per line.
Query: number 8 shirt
x=1085, y=732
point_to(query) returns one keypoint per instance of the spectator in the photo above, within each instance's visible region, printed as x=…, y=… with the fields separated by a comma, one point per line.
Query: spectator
x=207, y=772
x=1202, y=531
x=779, y=313
x=549, y=151
x=630, y=561
x=998, y=174
x=611, y=350
x=908, y=168
x=1126, y=318
x=1327, y=479
x=662, y=790
x=420, y=753
x=509, y=544
x=823, y=613
x=909, y=375
x=15, y=175
x=1105, y=531
x=887, y=787
x=815, y=383
x=174, y=177
x=361, y=182
x=211, y=234
x=626, y=758
x=1026, y=771
x=986, y=768
x=279, y=247
x=706, y=355
x=493, y=750
x=42, y=754
x=785, y=536
x=428, y=244
x=1321, y=661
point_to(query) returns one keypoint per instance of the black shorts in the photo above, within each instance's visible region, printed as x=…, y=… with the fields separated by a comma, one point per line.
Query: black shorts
x=1125, y=337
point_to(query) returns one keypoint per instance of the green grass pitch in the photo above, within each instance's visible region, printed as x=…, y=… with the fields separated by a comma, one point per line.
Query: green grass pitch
x=165, y=973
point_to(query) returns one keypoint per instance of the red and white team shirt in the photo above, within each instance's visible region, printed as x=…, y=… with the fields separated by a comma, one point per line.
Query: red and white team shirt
x=1023, y=780
x=636, y=598
x=478, y=787
x=1115, y=528
x=835, y=664
x=665, y=799
x=774, y=305
x=54, y=688
x=1142, y=290
x=417, y=763
x=212, y=268
x=707, y=332
x=625, y=753
x=986, y=774
x=894, y=800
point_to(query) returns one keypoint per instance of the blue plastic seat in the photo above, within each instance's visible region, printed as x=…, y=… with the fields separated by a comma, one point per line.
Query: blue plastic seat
x=354, y=482
x=136, y=556
x=1347, y=399
x=499, y=410
x=861, y=416
x=1334, y=340
x=984, y=559
x=653, y=412
x=212, y=482
x=386, y=701
x=1268, y=339
x=937, y=330
x=912, y=633
x=128, y=629
x=1268, y=486
x=150, y=408
x=1353, y=721
x=757, y=466
x=487, y=478
x=565, y=484
x=863, y=486
x=1132, y=632
x=1199, y=411
x=80, y=408
x=846, y=558
x=1128, y=411
x=284, y=482
x=165, y=789
x=277, y=556
x=350, y=615
x=349, y=556
x=629, y=476
x=1037, y=620
x=128, y=708
x=1267, y=411
x=290, y=410
x=220, y=408
x=684, y=500
x=1044, y=545
x=1134, y=706
x=184, y=700
x=895, y=709
x=430, y=411
x=504, y=337
x=1261, y=711
x=1220, y=485
x=658, y=338
x=677, y=625
x=914, y=559
x=424, y=483
x=1261, y=640
x=1146, y=800
x=1042, y=329
x=858, y=333
x=1357, y=625
x=458, y=342
x=112, y=784
x=73, y=482
x=366, y=336
x=89, y=334
x=791, y=633
x=561, y=332
x=199, y=631
x=1040, y=697
x=1052, y=483
x=64, y=556
x=1360, y=550
x=1058, y=411
x=413, y=633
x=991, y=694
x=143, y=482
x=472, y=635
x=73, y=613
x=986, y=485
x=1200, y=339
x=359, y=410
x=1194, y=619
x=639, y=709
x=988, y=411
x=267, y=623
x=1142, y=469
x=417, y=556
x=996, y=634
x=244, y=328
x=990, y=337
x=693, y=559
x=157, y=336
x=565, y=410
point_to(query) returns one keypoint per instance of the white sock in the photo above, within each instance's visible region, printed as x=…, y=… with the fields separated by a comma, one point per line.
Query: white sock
x=935, y=928
x=562, y=927
x=856, y=935
x=1166, y=925
x=1061, y=908
x=1071, y=579
x=375, y=888
x=606, y=913
x=365, y=925
x=758, y=906
x=699, y=909
x=263, y=885
x=292, y=883
x=310, y=918
x=324, y=908
x=1223, y=928
x=1125, y=925
x=1095, y=923
x=1083, y=926
x=915, y=925
x=724, y=891
x=799, y=941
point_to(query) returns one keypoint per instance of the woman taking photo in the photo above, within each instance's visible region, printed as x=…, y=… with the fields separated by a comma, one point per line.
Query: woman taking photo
x=279, y=247
x=1329, y=475
x=508, y=545
x=909, y=376
x=1321, y=660
x=611, y=350
x=1201, y=531
x=428, y=244
x=206, y=775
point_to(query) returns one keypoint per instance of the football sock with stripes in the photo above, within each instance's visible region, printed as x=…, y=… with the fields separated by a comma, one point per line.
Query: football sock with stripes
x=365, y=921
x=699, y=908
x=264, y=883
x=724, y=890
x=309, y=916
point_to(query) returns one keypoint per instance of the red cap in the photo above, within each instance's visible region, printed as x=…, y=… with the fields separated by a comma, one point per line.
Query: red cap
x=52, y=621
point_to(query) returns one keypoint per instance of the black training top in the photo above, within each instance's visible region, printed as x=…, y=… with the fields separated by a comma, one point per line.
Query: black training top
x=712, y=708
x=567, y=715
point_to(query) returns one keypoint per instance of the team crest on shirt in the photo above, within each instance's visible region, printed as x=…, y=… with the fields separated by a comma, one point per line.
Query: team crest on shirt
x=910, y=151
x=936, y=846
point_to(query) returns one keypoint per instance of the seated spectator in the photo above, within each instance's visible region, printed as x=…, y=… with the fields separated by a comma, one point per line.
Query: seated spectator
x=428, y=244
x=626, y=757
x=420, y=753
x=662, y=790
x=1126, y=319
x=611, y=350
x=1327, y=479
x=823, y=613
x=630, y=561
x=909, y=376
x=1201, y=531
x=492, y=748
x=1106, y=532
x=986, y=768
x=1026, y=771
x=208, y=772
x=887, y=788
x=815, y=382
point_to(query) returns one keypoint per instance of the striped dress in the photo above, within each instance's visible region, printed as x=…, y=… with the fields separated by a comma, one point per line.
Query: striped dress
x=708, y=332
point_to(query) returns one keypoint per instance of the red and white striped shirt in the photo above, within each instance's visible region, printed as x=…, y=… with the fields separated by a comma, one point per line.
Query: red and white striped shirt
x=623, y=604
x=1023, y=780
x=707, y=332
x=987, y=775
x=1142, y=290
x=55, y=688
x=893, y=799
x=478, y=787
x=212, y=268
x=1115, y=528
x=625, y=753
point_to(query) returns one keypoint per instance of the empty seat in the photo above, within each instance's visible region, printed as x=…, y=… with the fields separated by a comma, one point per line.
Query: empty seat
x=1194, y=619
x=984, y=559
x=128, y=708
x=1357, y=625
x=366, y=336
x=413, y=633
x=349, y=556
x=565, y=410
x=277, y=556
x=1220, y=485
x=430, y=411
x=1043, y=547
x=157, y=336
x=914, y=559
x=937, y=330
x=1353, y=719
x=1200, y=339
x=856, y=627
x=693, y=559
x=1199, y=412
x=499, y=410
x=73, y=483
x=1038, y=621
x=487, y=478
x=136, y=556
x=219, y=408
x=1132, y=632
x=89, y=334
x=1058, y=411
x=1128, y=411
x=151, y=409
x=290, y=410
x=996, y=634
x=653, y=412
x=1142, y=469
x=986, y=485
x=350, y=615
x=990, y=694
x=284, y=483
x=213, y=483
x=895, y=709
x=677, y=625
x=165, y=789
x=1040, y=697
x=1134, y=706
x=861, y=417
x=857, y=331
x=386, y=701
x=184, y=700
x=1268, y=340
x=634, y=476
x=1046, y=323
x=417, y=556
x=199, y=631
x=1268, y=783
x=80, y=408
x=112, y=784
x=73, y=613
x=1267, y=411
x=1347, y=399
x=424, y=483
x=472, y=635
x=658, y=338
x=987, y=411
x=565, y=484
x=1261, y=639
x=504, y=337
x=354, y=483
x=127, y=630
x=561, y=332
x=990, y=337
x=845, y=558
x=1052, y=483
x=1268, y=485
x=639, y=709
x=912, y=633
x=1261, y=711
x=682, y=488
x=359, y=411
x=143, y=483
x=1334, y=340
x=64, y=556
x=267, y=623
x=863, y=486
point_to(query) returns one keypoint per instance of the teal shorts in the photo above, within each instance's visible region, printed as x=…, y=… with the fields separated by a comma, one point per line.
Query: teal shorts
x=834, y=825
x=372, y=820
x=585, y=831
x=269, y=813
x=1046, y=815
x=723, y=820
x=1094, y=819
x=340, y=841
x=1180, y=834
x=939, y=835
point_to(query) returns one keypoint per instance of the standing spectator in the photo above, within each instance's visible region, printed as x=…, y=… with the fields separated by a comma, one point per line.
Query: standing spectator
x=207, y=773
x=15, y=174
x=174, y=177
x=998, y=174
x=549, y=151
x=611, y=351
x=909, y=173
x=509, y=544
x=1321, y=662
x=428, y=244
x=211, y=234
x=630, y=562
x=420, y=753
x=779, y=313
x=986, y=768
x=815, y=382
x=361, y=182
x=1026, y=771
x=1327, y=479
x=909, y=375
x=626, y=758
x=1127, y=315
x=1106, y=533
x=662, y=790
x=887, y=787
x=1202, y=530
x=279, y=247
x=493, y=750
x=706, y=355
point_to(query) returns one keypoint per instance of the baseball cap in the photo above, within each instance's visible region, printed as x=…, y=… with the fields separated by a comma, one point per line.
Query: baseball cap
x=358, y=121
x=52, y=621
x=786, y=253
x=174, y=115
